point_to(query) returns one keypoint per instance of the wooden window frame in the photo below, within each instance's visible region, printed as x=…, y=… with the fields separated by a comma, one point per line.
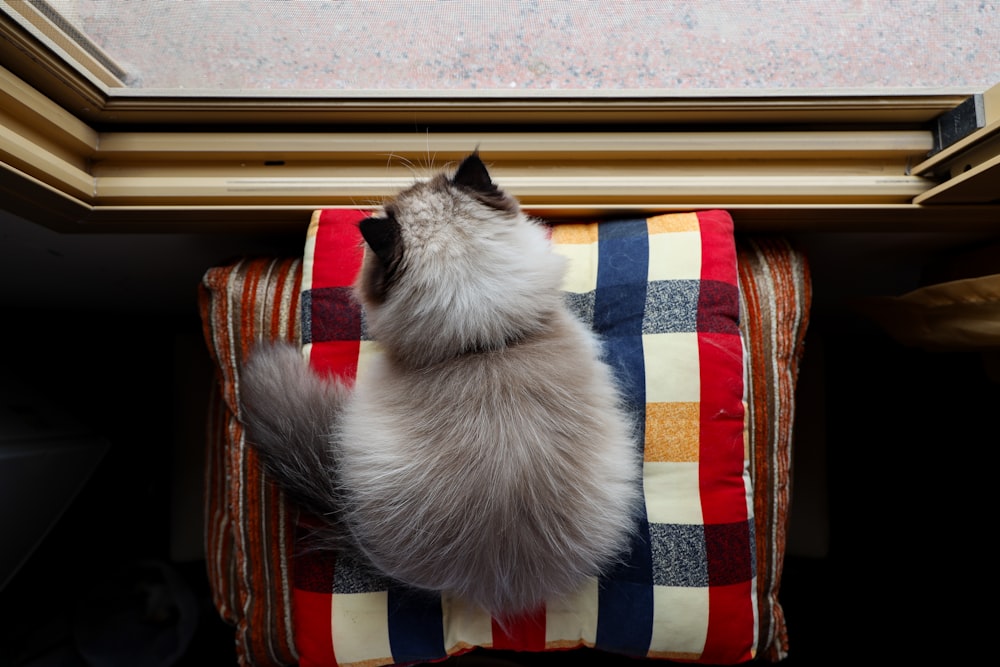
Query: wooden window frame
x=80, y=153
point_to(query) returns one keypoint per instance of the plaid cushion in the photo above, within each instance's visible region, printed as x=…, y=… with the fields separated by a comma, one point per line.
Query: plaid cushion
x=250, y=532
x=663, y=293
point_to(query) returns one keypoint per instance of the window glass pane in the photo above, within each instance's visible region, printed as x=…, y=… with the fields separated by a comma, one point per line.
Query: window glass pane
x=543, y=44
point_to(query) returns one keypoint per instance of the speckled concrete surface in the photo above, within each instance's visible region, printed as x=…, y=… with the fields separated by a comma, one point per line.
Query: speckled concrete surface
x=547, y=44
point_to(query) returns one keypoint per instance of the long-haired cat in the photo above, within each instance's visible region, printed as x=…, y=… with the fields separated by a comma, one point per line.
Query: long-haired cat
x=485, y=454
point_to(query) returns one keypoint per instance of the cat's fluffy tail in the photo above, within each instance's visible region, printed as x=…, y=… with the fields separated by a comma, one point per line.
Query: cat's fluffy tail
x=291, y=414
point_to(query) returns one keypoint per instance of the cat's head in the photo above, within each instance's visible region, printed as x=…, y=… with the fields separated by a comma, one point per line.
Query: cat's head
x=454, y=265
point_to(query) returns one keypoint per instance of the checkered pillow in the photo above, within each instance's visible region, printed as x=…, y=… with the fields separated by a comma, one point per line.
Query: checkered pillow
x=663, y=293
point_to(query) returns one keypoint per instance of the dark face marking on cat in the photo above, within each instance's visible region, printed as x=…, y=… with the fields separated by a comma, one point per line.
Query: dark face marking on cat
x=473, y=176
x=384, y=239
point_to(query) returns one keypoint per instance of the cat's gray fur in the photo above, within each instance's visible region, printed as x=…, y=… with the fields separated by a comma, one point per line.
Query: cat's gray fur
x=485, y=454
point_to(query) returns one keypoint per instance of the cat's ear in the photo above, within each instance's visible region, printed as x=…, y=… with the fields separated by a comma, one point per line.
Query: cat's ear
x=472, y=173
x=382, y=236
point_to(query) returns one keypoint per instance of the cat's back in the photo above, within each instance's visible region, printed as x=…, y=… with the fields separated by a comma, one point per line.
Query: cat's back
x=521, y=456
x=549, y=386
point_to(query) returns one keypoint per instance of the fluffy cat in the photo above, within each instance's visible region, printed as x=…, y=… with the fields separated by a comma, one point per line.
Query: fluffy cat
x=485, y=454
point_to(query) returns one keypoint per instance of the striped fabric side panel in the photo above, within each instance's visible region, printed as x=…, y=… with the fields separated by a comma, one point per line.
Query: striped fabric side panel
x=250, y=301
x=218, y=535
x=220, y=550
x=776, y=296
